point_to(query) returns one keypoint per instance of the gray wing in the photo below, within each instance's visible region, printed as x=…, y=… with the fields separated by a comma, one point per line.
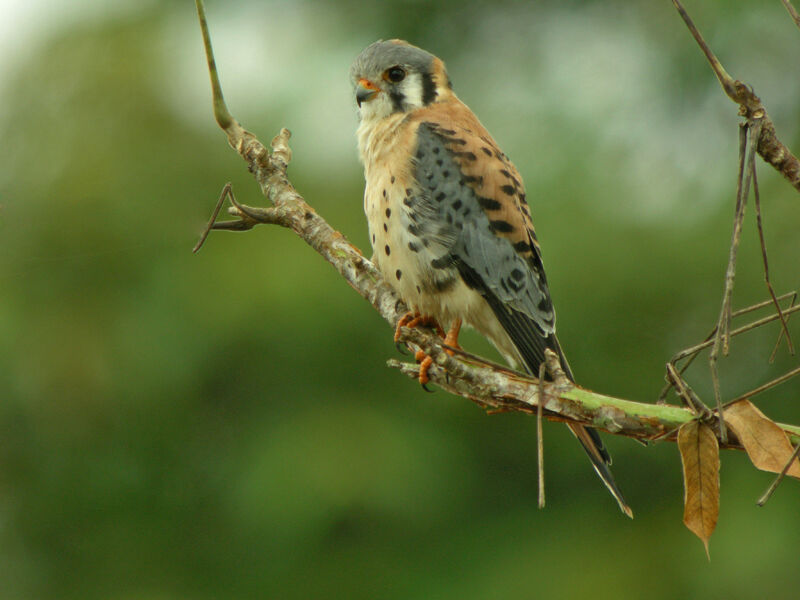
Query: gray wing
x=476, y=215
x=473, y=235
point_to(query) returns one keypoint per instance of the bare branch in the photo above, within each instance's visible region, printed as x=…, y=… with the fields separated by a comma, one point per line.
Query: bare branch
x=540, y=435
x=760, y=227
x=774, y=485
x=491, y=386
x=792, y=12
x=769, y=146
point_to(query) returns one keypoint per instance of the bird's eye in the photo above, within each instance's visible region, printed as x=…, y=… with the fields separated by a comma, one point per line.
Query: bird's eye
x=395, y=74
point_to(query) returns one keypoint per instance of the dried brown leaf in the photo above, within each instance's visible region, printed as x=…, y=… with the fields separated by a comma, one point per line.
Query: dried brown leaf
x=700, y=457
x=766, y=444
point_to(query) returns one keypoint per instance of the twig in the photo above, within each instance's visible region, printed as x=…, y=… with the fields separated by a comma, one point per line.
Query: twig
x=780, y=333
x=774, y=485
x=792, y=11
x=769, y=146
x=747, y=154
x=540, y=434
x=688, y=395
x=765, y=387
x=693, y=351
x=760, y=227
x=744, y=329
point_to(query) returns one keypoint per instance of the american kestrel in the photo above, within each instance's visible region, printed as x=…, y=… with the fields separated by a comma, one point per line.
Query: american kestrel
x=450, y=228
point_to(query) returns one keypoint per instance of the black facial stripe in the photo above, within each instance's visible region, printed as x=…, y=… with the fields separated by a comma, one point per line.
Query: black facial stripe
x=428, y=89
x=398, y=99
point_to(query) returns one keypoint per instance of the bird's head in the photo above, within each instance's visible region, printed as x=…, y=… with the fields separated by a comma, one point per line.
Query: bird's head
x=394, y=76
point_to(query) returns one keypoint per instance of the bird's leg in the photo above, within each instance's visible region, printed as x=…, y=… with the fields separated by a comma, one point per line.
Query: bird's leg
x=451, y=339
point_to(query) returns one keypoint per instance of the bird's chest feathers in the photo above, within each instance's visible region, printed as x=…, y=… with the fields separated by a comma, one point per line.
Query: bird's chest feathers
x=402, y=252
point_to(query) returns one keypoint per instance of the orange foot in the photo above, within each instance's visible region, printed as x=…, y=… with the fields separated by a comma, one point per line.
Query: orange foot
x=417, y=320
x=425, y=361
x=414, y=319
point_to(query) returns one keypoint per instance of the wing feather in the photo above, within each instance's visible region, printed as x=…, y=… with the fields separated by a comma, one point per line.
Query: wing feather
x=475, y=195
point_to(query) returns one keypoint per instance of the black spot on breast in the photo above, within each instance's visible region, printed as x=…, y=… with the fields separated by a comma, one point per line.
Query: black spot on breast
x=436, y=149
x=486, y=151
x=384, y=193
x=408, y=191
x=440, y=196
x=489, y=203
x=398, y=274
x=420, y=154
x=407, y=201
x=517, y=274
x=456, y=204
x=388, y=212
x=413, y=230
x=373, y=238
x=385, y=227
x=544, y=304
x=508, y=189
x=466, y=155
x=392, y=179
x=501, y=226
x=445, y=131
x=419, y=291
x=445, y=174
x=439, y=162
x=413, y=247
x=387, y=249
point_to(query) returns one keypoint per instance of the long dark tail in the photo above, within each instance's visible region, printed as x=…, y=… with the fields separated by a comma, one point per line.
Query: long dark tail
x=592, y=443
x=530, y=342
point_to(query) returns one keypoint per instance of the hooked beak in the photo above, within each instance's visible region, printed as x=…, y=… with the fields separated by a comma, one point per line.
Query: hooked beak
x=365, y=91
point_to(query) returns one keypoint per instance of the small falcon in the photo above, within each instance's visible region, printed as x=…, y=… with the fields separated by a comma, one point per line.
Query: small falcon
x=448, y=221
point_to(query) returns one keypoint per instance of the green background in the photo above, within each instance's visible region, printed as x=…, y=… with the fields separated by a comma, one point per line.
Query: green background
x=222, y=425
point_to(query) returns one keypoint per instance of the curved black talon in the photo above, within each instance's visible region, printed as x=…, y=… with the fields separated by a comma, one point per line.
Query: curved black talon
x=425, y=387
x=401, y=348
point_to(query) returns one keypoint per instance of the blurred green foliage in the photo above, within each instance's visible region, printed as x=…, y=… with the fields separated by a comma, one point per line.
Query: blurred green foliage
x=223, y=426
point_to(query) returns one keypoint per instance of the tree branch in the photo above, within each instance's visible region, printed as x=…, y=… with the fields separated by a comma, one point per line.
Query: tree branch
x=769, y=147
x=491, y=386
